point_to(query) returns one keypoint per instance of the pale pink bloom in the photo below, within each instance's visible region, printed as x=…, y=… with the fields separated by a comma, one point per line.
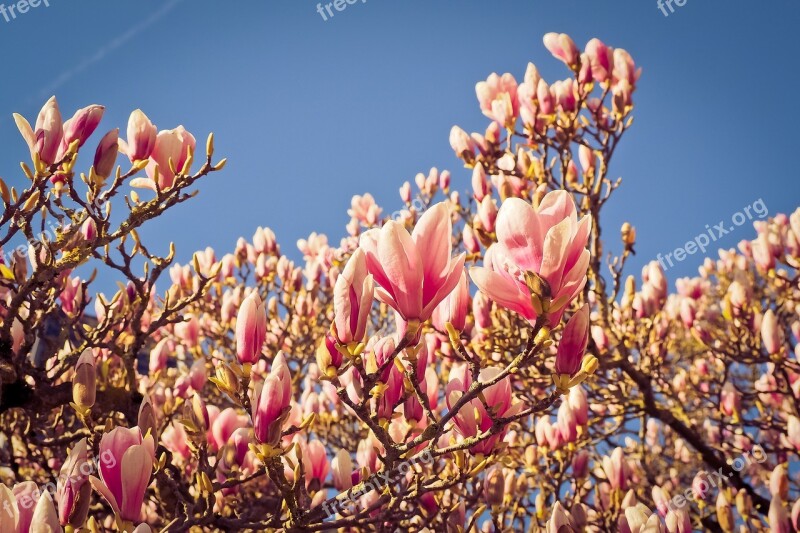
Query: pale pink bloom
x=779, y=482
x=454, y=308
x=315, y=462
x=126, y=463
x=793, y=431
x=549, y=241
x=48, y=132
x=480, y=185
x=45, y=517
x=770, y=334
x=251, y=329
x=562, y=47
x=141, y=137
x=580, y=407
x=796, y=515
x=224, y=426
x=616, y=469
x=778, y=518
x=342, y=470
x=730, y=400
x=173, y=145
x=559, y=520
x=415, y=272
x=364, y=209
x=462, y=144
x=487, y=214
x=159, y=355
x=352, y=299
x=26, y=495
x=498, y=98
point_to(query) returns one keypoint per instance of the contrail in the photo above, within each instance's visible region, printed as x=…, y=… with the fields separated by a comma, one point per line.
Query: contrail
x=105, y=50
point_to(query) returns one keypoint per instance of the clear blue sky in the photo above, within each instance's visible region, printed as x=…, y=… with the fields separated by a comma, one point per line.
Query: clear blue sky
x=310, y=112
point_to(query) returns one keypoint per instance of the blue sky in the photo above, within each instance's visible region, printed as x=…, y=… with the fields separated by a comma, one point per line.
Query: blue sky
x=310, y=112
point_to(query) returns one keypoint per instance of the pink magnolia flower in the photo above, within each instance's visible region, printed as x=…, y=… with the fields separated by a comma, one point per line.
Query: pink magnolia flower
x=141, y=137
x=273, y=404
x=81, y=126
x=73, y=491
x=454, y=308
x=473, y=418
x=793, y=431
x=562, y=47
x=171, y=145
x=48, y=133
x=342, y=470
x=616, y=469
x=777, y=517
x=770, y=334
x=601, y=58
x=364, y=209
x=549, y=241
x=415, y=272
x=573, y=343
x=224, y=426
x=352, y=299
x=251, y=329
x=498, y=98
x=315, y=462
x=126, y=463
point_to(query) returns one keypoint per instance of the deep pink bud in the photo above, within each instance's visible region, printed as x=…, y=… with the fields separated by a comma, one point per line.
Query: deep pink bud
x=106, y=155
x=251, y=329
x=81, y=126
x=273, y=404
x=573, y=343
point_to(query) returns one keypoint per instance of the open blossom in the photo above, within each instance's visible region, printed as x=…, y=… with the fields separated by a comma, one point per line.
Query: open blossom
x=171, y=145
x=415, y=272
x=126, y=463
x=352, y=299
x=549, y=241
x=498, y=98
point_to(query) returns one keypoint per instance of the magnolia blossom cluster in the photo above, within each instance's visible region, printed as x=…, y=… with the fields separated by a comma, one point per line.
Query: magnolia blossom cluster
x=476, y=360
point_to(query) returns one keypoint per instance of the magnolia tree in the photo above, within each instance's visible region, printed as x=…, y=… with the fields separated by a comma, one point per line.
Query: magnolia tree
x=478, y=361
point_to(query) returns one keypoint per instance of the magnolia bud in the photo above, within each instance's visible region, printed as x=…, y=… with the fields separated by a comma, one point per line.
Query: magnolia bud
x=84, y=383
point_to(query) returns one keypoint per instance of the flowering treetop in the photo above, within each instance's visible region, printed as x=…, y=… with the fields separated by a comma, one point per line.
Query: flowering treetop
x=479, y=361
